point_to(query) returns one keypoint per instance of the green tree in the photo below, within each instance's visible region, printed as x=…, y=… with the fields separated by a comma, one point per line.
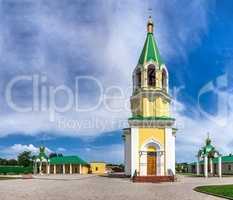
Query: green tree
x=51, y=155
x=12, y=162
x=25, y=158
x=3, y=161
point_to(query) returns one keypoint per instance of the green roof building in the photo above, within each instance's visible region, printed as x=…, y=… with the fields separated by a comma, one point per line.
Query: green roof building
x=59, y=164
x=209, y=161
x=227, y=165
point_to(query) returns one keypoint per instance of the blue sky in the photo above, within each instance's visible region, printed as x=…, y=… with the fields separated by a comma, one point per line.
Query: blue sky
x=60, y=40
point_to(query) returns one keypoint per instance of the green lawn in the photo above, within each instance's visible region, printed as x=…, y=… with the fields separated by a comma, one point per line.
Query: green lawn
x=225, y=191
x=8, y=178
x=190, y=174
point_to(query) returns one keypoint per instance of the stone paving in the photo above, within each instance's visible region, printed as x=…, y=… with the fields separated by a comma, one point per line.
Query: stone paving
x=91, y=187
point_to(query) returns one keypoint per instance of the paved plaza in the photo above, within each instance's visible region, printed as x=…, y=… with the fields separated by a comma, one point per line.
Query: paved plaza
x=88, y=187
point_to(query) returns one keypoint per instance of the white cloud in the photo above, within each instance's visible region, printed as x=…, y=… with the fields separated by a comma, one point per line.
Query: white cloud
x=14, y=150
x=193, y=129
x=110, y=153
x=111, y=44
x=61, y=149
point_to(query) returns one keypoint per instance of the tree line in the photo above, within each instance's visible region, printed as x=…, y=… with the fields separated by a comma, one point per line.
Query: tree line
x=24, y=159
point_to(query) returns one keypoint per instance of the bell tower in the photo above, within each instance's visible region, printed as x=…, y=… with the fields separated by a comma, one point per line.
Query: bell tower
x=150, y=96
x=150, y=138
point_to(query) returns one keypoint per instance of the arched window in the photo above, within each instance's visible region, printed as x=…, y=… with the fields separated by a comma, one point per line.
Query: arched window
x=164, y=79
x=138, y=78
x=151, y=75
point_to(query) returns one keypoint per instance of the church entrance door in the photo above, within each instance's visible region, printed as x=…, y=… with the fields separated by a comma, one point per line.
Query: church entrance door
x=151, y=163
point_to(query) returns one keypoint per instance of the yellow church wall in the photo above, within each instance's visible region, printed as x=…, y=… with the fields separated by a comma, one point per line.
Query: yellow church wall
x=136, y=106
x=166, y=108
x=158, y=79
x=157, y=134
x=148, y=107
x=161, y=107
x=144, y=105
x=157, y=107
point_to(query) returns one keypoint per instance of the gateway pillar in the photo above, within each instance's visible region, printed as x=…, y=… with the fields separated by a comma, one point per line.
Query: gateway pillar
x=48, y=168
x=71, y=169
x=80, y=169
x=206, y=166
x=198, y=167
x=220, y=166
x=63, y=168
x=54, y=169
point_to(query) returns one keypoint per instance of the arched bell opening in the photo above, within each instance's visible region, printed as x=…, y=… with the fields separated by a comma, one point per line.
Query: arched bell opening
x=138, y=78
x=151, y=76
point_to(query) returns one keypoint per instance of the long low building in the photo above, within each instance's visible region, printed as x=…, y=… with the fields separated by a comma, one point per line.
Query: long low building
x=227, y=166
x=59, y=164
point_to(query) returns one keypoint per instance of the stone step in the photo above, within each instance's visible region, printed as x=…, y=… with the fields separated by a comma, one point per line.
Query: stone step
x=153, y=179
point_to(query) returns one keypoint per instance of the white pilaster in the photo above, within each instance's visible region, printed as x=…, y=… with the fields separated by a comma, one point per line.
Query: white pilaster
x=169, y=152
x=143, y=164
x=71, y=169
x=206, y=166
x=162, y=164
x=134, y=151
x=80, y=169
x=211, y=166
x=40, y=168
x=220, y=166
x=128, y=153
x=54, y=169
x=198, y=166
x=35, y=168
x=63, y=168
x=48, y=168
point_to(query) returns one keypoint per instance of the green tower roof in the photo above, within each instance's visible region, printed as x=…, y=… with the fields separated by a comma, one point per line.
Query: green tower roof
x=42, y=155
x=150, y=50
x=208, y=149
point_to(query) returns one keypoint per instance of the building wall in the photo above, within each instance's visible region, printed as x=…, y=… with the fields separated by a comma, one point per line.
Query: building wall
x=67, y=169
x=227, y=168
x=145, y=134
x=127, y=149
x=170, y=152
x=85, y=169
x=98, y=167
x=135, y=141
x=59, y=169
x=134, y=150
x=75, y=168
x=150, y=106
x=152, y=134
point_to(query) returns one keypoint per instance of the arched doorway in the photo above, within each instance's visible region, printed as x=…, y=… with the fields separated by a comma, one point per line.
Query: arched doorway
x=151, y=159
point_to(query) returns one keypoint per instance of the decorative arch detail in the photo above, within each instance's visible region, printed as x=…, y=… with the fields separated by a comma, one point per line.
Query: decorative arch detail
x=151, y=143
